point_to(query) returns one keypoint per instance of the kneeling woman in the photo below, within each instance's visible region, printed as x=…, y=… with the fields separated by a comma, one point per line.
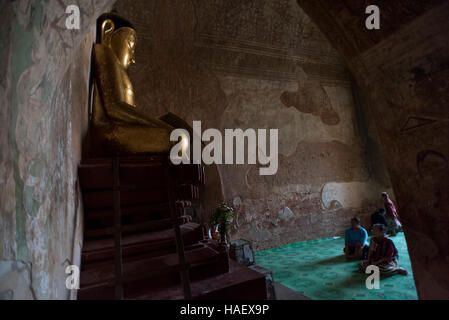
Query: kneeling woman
x=382, y=253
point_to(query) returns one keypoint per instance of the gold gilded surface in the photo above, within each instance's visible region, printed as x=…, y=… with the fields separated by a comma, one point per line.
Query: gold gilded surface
x=116, y=125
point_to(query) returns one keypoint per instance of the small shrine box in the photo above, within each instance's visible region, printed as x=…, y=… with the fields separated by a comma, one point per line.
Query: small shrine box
x=242, y=252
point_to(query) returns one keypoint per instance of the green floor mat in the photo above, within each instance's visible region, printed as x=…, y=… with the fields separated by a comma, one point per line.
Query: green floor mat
x=319, y=270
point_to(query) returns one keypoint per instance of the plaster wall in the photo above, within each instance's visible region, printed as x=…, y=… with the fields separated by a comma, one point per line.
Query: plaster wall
x=43, y=95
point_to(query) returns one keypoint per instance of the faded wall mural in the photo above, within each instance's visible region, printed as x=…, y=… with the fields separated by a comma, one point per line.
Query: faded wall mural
x=262, y=64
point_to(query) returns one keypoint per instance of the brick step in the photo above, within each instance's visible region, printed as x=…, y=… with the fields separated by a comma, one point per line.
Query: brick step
x=158, y=214
x=101, y=249
x=135, y=173
x=102, y=199
x=239, y=283
x=151, y=272
x=161, y=208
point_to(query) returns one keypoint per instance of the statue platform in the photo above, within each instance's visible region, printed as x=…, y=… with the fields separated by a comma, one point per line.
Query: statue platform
x=139, y=245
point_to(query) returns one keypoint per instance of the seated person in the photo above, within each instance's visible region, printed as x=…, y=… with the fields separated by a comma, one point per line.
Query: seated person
x=356, y=244
x=391, y=215
x=378, y=217
x=382, y=253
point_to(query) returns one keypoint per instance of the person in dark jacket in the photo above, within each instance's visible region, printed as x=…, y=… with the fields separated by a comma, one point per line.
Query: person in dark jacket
x=378, y=217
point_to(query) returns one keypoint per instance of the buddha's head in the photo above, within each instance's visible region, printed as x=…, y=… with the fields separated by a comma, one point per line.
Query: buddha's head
x=120, y=35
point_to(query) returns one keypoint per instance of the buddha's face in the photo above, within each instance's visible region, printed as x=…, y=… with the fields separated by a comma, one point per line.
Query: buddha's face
x=123, y=43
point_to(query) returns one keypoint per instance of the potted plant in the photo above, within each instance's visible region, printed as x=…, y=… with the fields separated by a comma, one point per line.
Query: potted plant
x=222, y=218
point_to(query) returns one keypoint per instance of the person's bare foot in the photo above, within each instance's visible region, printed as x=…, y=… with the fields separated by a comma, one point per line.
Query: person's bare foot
x=402, y=271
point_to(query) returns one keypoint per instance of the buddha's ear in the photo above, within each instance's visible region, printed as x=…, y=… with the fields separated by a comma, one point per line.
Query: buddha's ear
x=107, y=28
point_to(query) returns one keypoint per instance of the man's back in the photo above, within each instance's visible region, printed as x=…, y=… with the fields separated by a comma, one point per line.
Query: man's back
x=358, y=236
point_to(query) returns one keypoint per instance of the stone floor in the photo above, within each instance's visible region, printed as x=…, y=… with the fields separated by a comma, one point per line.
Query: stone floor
x=318, y=269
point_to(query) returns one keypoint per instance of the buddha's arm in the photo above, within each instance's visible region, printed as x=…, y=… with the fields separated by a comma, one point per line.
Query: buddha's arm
x=107, y=77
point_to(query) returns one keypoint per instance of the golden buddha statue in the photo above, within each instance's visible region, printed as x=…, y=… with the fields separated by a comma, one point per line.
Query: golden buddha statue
x=116, y=126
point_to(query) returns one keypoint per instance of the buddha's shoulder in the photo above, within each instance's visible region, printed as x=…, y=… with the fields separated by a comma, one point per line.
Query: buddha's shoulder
x=103, y=53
